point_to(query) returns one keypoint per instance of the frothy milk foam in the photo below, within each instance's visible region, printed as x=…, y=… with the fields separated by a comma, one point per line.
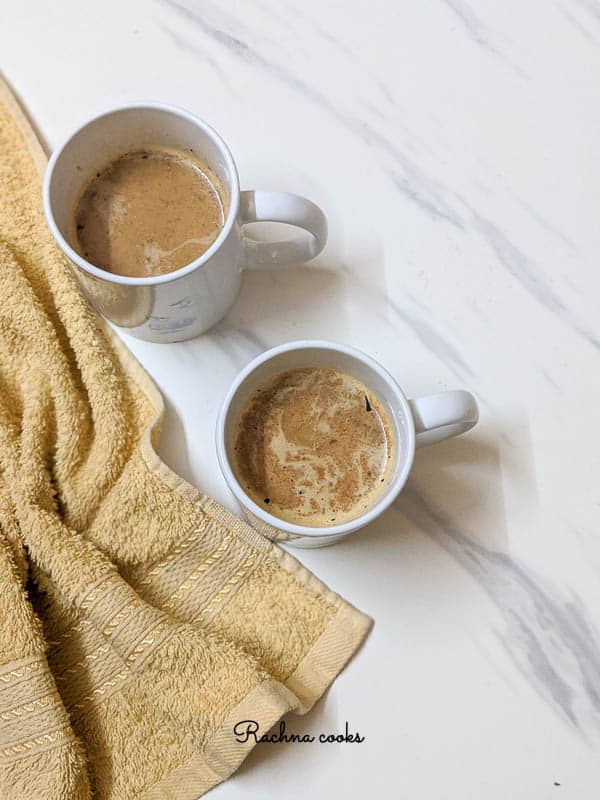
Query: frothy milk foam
x=313, y=447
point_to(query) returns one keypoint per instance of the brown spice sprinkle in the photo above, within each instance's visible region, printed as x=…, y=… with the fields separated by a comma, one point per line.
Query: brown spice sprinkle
x=313, y=446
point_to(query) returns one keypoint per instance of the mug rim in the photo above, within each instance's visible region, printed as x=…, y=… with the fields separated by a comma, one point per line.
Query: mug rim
x=125, y=280
x=344, y=528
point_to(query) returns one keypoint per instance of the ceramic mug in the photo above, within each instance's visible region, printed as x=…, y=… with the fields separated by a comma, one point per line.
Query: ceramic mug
x=416, y=422
x=184, y=303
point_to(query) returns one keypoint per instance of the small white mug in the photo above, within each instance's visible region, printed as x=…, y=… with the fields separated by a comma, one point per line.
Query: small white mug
x=181, y=304
x=417, y=422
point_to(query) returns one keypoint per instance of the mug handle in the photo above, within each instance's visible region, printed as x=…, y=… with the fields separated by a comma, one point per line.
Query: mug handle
x=439, y=416
x=282, y=207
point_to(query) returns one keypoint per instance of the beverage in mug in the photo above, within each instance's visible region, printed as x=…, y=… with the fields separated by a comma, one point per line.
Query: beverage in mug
x=148, y=212
x=314, y=447
x=315, y=439
x=146, y=204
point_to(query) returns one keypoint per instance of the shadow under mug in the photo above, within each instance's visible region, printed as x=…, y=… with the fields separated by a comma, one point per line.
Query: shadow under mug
x=181, y=304
x=414, y=423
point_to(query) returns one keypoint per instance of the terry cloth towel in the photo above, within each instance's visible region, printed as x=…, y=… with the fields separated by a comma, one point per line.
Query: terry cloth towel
x=140, y=620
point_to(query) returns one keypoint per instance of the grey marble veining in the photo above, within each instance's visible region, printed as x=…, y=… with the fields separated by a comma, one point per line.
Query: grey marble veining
x=546, y=631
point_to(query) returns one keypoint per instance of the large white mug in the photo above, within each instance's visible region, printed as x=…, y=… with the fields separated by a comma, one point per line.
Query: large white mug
x=416, y=422
x=181, y=304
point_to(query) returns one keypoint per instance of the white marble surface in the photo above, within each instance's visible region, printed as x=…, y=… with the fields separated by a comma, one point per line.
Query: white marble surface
x=454, y=146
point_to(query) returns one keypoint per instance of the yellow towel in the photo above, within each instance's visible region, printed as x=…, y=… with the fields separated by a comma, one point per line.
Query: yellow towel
x=140, y=620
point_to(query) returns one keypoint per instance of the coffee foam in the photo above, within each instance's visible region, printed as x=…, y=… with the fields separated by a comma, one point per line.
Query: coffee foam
x=148, y=212
x=313, y=447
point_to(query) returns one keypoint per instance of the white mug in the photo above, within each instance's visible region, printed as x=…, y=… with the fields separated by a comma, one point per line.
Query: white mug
x=184, y=303
x=416, y=422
